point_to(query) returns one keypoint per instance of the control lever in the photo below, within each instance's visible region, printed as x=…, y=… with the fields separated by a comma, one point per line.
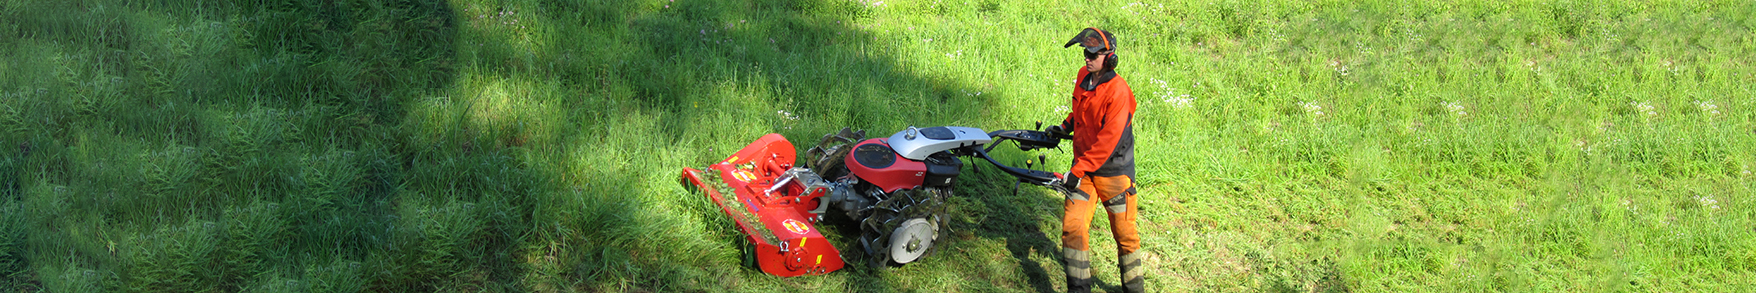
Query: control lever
x=1039, y=125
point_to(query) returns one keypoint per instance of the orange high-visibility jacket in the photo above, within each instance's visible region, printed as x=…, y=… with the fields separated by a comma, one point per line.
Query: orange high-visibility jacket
x=1103, y=125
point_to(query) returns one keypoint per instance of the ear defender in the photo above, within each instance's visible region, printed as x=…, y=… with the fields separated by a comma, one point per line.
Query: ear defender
x=1110, y=62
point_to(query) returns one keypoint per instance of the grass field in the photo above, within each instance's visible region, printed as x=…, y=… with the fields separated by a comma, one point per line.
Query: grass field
x=481, y=145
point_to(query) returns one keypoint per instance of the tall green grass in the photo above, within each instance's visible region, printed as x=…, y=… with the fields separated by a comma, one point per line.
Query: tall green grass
x=323, y=146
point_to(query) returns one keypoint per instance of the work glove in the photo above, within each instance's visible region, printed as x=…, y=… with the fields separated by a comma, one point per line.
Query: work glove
x=1057, y=131
x=1069, y=186
x=1071, y=183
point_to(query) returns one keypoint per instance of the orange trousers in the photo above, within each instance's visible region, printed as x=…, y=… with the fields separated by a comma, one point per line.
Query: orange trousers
x=1117, y=195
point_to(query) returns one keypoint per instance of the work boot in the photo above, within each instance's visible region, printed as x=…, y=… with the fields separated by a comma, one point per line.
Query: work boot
x=1078, y=286
x=1078, y=264
x=1133, y=275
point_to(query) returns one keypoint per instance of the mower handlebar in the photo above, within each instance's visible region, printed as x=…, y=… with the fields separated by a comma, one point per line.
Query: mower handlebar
x=1027, y=139
x=1038, y=177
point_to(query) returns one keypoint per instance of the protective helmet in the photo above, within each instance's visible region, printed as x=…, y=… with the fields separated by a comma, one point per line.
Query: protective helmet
x=1096, y=41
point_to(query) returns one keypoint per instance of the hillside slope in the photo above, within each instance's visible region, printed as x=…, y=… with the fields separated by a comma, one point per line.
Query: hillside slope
x=480, y=145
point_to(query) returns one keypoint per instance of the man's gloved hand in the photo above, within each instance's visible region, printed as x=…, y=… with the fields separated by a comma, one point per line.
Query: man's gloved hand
x=1057, y=131
x=1064, y=181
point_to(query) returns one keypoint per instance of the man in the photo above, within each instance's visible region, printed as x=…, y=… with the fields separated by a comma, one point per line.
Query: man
x=1103, y=165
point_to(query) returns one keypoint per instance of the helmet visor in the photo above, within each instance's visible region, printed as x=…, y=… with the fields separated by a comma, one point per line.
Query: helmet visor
x=1093, y=40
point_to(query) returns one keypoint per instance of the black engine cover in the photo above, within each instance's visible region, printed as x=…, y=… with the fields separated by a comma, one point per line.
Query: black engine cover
x=875, y=156
x=942, y=169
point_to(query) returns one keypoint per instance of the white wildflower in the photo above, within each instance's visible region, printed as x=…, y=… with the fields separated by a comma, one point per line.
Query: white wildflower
x=787, y=115
x=1170, y=95
x=1338, y=67
x=1454, y=108
x=1707, y=202
x=1707, y=107
x=1312, y=108
x=1644, y=108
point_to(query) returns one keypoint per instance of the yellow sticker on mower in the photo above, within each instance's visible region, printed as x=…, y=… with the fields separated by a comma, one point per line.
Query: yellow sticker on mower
x=744, y=175
x=797, y=228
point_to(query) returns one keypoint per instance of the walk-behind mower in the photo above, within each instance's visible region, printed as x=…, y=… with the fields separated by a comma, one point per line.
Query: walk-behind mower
x=894, y=188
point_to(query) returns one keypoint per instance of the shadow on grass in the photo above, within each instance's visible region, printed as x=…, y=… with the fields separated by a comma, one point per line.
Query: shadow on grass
x=342, y=146
x=234, y=146
x=1017, y=218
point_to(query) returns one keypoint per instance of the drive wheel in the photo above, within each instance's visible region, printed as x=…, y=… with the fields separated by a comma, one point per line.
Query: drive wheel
x=912, y=240
x=903, y=227
x=826, y=157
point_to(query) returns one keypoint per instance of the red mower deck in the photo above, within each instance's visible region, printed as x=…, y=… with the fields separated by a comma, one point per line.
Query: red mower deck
x=775, y=219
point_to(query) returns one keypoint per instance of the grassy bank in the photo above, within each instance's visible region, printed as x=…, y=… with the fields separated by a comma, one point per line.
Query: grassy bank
x=335, y=146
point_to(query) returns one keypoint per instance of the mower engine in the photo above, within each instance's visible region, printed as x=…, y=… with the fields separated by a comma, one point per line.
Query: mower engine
x=895, y=188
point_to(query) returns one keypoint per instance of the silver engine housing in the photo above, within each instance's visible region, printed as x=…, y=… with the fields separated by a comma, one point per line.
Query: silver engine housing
x=917, y=143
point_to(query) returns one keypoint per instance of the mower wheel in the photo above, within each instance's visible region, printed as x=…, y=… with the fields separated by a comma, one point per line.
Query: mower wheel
x=912, y=240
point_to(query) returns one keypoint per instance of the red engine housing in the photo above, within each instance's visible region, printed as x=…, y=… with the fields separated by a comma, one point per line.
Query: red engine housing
x=874, y=162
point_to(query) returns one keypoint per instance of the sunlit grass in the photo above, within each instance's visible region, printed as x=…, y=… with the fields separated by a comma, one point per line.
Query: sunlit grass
x=534, y=146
